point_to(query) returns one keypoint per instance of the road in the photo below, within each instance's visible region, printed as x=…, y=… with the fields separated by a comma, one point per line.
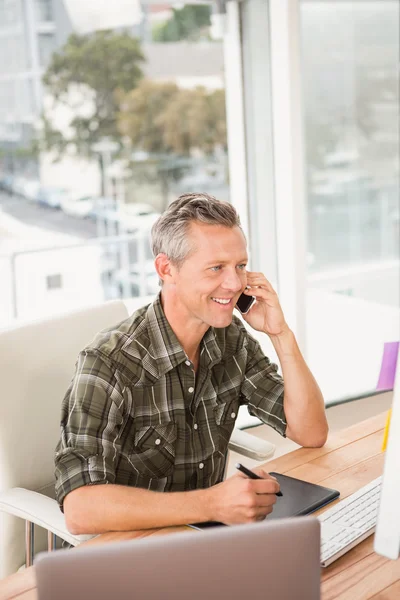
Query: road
x=45, y=217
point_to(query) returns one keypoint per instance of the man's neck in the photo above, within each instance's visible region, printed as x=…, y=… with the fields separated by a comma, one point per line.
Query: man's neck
x=188, y=330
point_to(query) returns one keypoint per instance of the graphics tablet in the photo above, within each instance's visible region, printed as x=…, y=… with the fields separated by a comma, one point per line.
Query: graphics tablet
x=298, y=498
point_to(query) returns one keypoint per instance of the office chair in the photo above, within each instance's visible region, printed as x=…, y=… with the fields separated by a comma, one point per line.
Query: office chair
x=37, y=363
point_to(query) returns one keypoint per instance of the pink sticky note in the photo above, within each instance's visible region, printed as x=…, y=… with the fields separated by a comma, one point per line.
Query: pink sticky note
x=388, y=366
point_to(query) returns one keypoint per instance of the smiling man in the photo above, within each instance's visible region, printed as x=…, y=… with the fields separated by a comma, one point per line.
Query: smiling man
x=154, y=400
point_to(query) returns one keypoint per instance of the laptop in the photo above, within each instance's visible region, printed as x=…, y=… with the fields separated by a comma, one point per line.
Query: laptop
x=277, y=560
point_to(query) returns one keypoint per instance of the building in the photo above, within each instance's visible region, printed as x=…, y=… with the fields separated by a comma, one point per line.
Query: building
x=45, y=273
x=30, y=31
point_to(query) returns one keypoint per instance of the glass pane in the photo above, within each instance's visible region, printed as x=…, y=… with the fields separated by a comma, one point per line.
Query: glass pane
x=44, y=10
x=134, y=115
x=10, y=12
x=47, y=46
x=258, y=118
x=351, y=91
x=259, y=138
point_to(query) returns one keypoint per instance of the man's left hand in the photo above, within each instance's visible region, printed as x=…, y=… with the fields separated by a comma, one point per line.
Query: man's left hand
x=266, y=314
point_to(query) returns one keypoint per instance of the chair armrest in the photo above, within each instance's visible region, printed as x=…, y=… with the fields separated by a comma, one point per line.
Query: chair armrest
x=40, y=510
x=250, y=446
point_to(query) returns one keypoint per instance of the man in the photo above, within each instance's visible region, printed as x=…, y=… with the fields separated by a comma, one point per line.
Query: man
x=154, y=400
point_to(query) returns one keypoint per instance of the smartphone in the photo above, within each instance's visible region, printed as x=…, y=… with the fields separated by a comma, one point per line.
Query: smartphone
x=245, y=303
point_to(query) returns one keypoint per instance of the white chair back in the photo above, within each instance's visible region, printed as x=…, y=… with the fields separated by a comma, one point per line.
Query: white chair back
x=36, y=366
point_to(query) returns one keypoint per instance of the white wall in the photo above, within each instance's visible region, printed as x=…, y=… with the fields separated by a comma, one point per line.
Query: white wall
x=79, y=268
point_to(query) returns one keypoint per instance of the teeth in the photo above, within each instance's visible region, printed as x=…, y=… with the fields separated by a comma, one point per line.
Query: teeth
x=221, y=301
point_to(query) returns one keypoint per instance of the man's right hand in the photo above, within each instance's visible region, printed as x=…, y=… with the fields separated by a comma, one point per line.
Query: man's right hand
x=243, y=500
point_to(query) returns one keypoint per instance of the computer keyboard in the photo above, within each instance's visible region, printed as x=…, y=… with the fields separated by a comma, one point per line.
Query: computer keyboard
x=349, y=522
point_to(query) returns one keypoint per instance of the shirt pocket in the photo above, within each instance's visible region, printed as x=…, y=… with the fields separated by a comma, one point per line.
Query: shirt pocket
x=153, y=452
x=225, y=415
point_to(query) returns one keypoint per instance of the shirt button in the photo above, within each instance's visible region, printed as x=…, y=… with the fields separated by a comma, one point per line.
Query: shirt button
x=201, y=466
x=187, y=362
x=191, y=390
x=158, y=441
x=195, y=426
x=233, y=415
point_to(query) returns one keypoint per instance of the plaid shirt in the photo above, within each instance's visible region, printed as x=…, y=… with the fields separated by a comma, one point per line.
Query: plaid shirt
x=137, y=414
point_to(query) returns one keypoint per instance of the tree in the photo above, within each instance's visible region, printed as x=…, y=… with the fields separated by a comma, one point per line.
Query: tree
x=84, y=76
x=161, y=117
x=169, y=123
x=188, y=23
x=141, y=112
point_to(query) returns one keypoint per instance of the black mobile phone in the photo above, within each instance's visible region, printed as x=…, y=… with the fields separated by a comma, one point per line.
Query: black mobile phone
x=245, y=303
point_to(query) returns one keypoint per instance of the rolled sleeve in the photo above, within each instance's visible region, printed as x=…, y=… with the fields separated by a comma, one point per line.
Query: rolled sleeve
x=91, y=419
x=262, y=389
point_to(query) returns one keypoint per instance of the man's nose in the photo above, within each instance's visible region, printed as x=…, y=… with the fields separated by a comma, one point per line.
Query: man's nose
x=233, y=282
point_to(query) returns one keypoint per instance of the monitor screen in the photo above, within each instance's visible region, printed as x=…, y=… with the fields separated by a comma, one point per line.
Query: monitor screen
x=387, y=535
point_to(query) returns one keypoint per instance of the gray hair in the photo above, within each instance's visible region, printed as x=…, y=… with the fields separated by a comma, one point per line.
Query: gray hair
x=169, y=232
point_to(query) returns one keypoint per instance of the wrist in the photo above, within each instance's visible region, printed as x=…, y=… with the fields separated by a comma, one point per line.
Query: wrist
x=285, y=345
x=283, y=337
x=210, y=504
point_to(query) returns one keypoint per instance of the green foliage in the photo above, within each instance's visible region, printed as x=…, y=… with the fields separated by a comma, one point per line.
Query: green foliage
x=86, y=74
x=169, y=122
x=188, y=23
x=163, y=118
x=140, y=112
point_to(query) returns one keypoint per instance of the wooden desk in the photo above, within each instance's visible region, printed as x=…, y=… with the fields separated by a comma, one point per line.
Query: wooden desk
x=350, y=459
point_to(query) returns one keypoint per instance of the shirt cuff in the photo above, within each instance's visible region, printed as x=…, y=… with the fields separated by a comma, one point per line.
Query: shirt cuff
x=75, y=469
x=269, y=411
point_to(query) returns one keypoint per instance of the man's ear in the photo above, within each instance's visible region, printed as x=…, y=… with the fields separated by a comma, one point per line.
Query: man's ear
x=164, y=268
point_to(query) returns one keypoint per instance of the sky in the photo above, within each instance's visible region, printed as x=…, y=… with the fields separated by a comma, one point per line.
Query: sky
x=92, y=15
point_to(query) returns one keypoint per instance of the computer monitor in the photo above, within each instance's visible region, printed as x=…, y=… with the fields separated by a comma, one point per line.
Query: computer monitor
x=387, y=534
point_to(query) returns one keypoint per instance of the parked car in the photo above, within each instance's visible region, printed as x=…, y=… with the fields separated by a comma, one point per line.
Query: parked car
x=135, y=217
x=131, y=281
x=82, y=206
x=30, y=189
x=52, y=196
x=128, y=219
x=6, y=183
x=18, y=185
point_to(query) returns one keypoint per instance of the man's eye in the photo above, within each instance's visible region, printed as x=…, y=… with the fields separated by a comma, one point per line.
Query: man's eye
x=242, y=267
x=216, y=268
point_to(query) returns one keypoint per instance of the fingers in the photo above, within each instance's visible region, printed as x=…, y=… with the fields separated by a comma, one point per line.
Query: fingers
x=259, y=292
x=258, y=513
x=266, y=486
x=262, y=506
x=240, y=499
x=259, y=280
x=262, y=472
x=260, y=492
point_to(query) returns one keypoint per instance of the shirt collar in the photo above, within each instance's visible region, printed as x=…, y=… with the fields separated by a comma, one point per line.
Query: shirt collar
x=210, y=349
x=165, y=347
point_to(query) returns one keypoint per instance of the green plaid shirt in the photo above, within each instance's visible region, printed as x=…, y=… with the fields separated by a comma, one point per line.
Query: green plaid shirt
x=137, y=414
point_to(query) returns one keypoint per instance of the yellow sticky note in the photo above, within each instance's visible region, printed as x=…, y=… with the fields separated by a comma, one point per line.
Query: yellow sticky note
x=386, y=432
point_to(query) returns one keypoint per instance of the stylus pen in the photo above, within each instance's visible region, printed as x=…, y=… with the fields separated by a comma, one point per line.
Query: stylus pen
x=251, y=474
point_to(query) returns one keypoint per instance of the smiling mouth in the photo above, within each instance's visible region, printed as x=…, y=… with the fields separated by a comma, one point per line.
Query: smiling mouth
x=222, y=301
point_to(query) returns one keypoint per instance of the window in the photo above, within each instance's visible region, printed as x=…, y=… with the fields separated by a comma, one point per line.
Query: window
x=351, y=116
x=141, y=121
x=54, y=282
x=259, y=137
x=334, y=257
x=9, y=12
x=47, y=46
x=44, y=10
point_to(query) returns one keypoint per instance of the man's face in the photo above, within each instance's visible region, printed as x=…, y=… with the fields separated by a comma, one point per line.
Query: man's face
x=213, y=276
